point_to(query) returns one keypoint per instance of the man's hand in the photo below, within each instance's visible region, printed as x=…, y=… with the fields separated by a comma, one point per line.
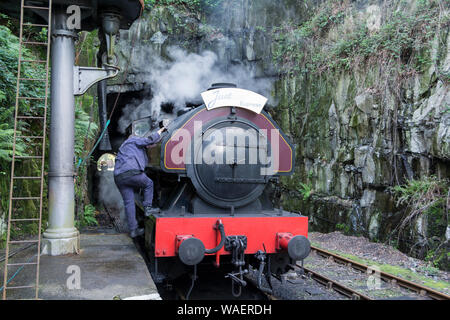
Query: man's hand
x=160, y=131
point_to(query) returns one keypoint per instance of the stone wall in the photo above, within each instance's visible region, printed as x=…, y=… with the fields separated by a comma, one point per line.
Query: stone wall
x=363, y=119
x=367, y=127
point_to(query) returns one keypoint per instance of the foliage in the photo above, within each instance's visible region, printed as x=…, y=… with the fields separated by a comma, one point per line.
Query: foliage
x=6, y=144
x=305, y=190
x=427, y=196
x=3, y=240
x=192, y=5
x=85, y=127
x=422, y=196
x=9, y=52
x=403, y=37
x=343, y=227
x=87, y=218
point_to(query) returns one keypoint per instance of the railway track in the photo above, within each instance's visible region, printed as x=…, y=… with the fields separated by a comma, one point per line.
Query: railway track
x=334, y=285
x=389, y=278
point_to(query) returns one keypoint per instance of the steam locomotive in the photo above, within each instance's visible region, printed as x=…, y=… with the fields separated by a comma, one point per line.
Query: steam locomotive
x=212, y=175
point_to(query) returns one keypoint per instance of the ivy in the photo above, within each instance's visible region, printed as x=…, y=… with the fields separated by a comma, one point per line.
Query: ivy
x=404, y=37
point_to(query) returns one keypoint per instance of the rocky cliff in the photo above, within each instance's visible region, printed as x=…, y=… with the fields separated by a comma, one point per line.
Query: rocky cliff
x=362, y=87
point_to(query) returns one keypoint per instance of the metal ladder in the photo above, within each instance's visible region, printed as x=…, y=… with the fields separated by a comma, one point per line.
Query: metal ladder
x=44, y=10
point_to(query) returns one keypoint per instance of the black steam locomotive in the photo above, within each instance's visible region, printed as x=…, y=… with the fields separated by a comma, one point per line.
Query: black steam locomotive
x=212, y=173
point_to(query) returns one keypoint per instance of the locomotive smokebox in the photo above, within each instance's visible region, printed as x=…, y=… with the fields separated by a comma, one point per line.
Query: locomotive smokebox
x=298, y=247
x=191, y=251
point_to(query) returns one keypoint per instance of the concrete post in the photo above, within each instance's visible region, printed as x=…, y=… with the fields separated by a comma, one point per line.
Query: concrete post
x=61, y=237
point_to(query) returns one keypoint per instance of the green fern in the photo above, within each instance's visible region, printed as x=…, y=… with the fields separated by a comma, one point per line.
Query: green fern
x=306, y=190
x=87, y=218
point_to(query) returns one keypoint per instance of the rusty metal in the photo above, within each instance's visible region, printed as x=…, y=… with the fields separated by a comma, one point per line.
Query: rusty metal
x=42, y=137
x=35, y=25
x=32, y=98
x=390, y=278
x=30, y=137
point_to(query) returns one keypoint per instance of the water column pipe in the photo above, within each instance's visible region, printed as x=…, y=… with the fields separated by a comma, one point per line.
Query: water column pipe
x=110, y=27
x=61, y=236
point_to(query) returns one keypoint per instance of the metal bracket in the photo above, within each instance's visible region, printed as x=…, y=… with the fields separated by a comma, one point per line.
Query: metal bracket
x=86, y=77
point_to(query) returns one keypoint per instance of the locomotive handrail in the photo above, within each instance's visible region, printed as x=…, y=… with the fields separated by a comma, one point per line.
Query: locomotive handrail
x=222, y=239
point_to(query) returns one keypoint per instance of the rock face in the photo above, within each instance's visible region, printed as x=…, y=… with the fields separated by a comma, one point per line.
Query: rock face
x=363, y=94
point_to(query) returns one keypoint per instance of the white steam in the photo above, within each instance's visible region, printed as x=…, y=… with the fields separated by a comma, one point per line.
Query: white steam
x=182, y=79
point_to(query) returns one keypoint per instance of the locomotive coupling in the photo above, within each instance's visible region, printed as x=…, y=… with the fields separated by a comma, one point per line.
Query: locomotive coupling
x=298, y=247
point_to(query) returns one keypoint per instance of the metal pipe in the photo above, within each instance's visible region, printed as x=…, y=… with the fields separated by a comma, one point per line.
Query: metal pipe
x=62, y=137
x=105, y=143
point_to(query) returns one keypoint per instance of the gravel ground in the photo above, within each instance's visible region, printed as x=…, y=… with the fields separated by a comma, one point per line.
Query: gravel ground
x=378, y=252
x=293, y=286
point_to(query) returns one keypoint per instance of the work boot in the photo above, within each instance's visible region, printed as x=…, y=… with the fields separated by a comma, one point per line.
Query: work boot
x=137, y=233
x=149, y=211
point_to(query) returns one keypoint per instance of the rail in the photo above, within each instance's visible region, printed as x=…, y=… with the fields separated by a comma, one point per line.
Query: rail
x=390, y=278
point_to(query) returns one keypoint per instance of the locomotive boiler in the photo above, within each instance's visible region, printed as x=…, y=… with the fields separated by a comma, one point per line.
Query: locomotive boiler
x=212, y=173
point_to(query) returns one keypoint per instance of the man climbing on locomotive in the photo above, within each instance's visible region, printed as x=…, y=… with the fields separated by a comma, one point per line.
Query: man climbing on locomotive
x=129, y=175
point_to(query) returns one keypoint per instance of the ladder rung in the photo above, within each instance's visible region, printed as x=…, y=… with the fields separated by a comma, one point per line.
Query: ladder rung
x=35, y=43
x=28, y=157
x=30, y=219
x=27, y=178
x=38, y=61
x=21, y=287
x=26, y=198
x=35, y=25
x=30, y=117
x=29, y=137
x=35, y=7
x=31, y=79
x=32, y=98
x=24, y=241
x=22, y=264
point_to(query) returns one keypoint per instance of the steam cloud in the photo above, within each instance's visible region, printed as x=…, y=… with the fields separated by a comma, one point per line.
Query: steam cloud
x=110, y=195
x=178, y=81
x=182, y=79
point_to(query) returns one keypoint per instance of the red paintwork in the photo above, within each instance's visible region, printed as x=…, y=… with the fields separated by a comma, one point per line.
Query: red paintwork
x=180, y=240
x=259, y=230
x=205, y=116
x=283, y=240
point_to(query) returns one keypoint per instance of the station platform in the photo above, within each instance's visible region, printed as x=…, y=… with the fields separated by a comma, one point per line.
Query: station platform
x=108, y=267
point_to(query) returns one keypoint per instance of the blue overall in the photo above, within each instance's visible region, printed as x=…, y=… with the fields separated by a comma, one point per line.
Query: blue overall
x=129, y=174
